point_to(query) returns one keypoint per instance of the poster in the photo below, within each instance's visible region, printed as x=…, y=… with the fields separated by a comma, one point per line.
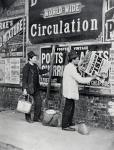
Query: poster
x=94, y=64
x=2, y=70
x=95, y=60
x=112, y=71
x=15, y=71
x=10, y=70
x=7, y=70
x=65, y=20
x=58, y=67
x=109, y=25
x=12, y=37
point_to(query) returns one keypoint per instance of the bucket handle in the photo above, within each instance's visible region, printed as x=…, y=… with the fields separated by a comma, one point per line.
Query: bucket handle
x=28, y=98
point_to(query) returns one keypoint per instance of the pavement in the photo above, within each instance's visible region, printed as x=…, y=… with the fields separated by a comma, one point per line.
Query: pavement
x=16, y=131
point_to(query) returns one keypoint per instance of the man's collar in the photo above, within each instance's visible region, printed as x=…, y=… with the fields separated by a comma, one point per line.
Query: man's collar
x=31, y=63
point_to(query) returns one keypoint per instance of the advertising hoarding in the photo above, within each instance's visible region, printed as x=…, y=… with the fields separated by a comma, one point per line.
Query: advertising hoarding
x=100, y=66
x=58, y=66
x=12, y=37
x=66, y=20
x=95, y=60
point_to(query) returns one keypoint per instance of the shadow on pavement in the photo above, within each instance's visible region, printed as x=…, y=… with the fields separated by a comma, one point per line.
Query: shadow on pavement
x=5, y=146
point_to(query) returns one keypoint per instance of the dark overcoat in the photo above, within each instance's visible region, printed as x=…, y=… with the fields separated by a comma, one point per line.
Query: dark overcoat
x=27, y=78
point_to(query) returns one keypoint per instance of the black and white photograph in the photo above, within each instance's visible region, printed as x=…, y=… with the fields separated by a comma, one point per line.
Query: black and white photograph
x=56, y=74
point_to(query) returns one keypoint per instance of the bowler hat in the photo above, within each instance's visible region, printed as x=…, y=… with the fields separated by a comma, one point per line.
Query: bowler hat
x=31, y=54
x=72, y=55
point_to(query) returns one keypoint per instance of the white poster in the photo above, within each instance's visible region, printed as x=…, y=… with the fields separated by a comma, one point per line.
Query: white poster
x=12, y=70
x=95, y=64
x=15, y=70
x=7, y=70
x=2, y=70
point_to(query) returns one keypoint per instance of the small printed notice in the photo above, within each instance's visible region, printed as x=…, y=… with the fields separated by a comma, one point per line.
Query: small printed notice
x=10, y=70
x=95, y=64
x=111, y=108
x=2, y=70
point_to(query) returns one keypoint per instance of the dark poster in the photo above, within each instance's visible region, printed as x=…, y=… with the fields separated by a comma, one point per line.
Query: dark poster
x=109, y=25
x=64, y=20
x=12, y=37
x=58, y=67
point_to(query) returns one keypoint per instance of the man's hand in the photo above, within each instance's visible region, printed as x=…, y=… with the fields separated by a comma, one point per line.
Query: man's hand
x=81, y=62
x=24, y=92
x=94, y=77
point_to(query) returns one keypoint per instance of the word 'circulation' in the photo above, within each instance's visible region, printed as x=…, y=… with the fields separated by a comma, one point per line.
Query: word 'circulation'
x=75, y=26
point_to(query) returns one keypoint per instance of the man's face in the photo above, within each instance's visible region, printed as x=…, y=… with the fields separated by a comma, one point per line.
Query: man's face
x=76, y=61
x=33, y=59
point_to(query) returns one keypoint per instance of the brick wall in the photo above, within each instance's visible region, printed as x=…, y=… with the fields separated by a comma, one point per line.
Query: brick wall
x=91, y=109
x=9, y=97
x=94, y=111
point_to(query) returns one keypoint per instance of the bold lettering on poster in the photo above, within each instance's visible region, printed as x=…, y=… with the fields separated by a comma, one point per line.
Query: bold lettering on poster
x=110, y=29
x=43, y=57
x=46, y=58
x=110, y=26
x=49, y=31
x=85, y=25
x=33, y=30
x=57, y=70
x=61, y=10
x=14, y=30
x=67, y=28
x=103, y=54
x=33, y=3
x=94, y=25
x=6, y=24
x=59, y=58
x=75, y=26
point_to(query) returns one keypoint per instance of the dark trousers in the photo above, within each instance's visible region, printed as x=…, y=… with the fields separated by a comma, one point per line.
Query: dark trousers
x=37, y=107
x=68, y=113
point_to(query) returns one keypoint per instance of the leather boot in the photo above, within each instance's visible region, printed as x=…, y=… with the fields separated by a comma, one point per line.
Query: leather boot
x=28, y=118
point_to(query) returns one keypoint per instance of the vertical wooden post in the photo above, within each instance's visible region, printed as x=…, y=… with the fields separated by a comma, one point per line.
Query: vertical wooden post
x=23, y=36
x=50, y=75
